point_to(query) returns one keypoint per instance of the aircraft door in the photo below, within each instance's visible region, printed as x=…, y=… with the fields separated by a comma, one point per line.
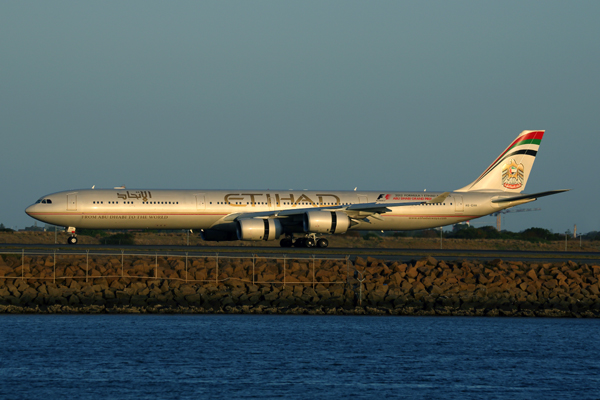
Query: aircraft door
x=270, y=202
x=72, y=202
x=363, y=199
x=200, y=201
x=459, y=206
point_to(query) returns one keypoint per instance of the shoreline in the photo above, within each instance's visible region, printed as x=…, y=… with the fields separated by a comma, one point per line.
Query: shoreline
x=247, y=310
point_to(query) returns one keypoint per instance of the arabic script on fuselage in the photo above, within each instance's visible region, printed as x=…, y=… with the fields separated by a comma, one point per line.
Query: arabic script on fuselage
x=144, y=195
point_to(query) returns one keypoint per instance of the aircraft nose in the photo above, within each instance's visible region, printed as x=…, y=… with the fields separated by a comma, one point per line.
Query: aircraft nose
x=30, y=209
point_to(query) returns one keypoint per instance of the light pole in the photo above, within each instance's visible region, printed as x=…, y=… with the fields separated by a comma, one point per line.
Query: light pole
x=356, y=272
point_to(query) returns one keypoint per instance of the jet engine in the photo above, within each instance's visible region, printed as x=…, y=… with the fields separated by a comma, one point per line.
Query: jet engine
x=213, y=235
x=326, y=222
x=258, y=229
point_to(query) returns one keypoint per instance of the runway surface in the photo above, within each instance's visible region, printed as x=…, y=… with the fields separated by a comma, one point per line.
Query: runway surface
x=403, y=255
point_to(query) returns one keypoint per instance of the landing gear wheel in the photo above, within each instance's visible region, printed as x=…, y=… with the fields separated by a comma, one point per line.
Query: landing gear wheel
x=72, y=240
x=286, y=242
x=310, y=242
x=322, y=243
x=300, y=243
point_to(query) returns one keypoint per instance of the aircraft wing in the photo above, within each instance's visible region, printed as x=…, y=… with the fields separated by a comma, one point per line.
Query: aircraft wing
x=360, y=211
x=529, y=196
x=354, y=211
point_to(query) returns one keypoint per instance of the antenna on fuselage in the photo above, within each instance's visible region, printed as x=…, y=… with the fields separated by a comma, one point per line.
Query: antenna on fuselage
x=93, y=186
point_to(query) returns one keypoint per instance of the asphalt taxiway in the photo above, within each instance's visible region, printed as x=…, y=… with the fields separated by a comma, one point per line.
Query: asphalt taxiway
x=403, y=255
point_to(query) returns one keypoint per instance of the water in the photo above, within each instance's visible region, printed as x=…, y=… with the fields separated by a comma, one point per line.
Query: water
x=297, y=357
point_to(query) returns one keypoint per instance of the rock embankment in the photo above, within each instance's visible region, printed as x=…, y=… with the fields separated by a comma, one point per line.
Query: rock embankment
x=76, y=284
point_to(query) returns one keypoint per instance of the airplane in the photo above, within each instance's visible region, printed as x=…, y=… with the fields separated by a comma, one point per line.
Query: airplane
x=298, y=218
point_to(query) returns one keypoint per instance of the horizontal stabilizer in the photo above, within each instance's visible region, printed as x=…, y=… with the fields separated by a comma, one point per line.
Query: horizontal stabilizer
x=529, y=196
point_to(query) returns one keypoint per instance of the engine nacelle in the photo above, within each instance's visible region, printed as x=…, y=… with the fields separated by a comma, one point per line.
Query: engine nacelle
x=213, y=235
x=258, y=229
x=326, y=222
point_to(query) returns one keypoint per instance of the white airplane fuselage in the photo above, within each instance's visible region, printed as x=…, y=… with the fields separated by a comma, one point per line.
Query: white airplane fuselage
x=197, y=209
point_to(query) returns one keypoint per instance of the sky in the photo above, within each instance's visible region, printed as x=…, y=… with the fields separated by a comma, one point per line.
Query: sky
x=386, y=96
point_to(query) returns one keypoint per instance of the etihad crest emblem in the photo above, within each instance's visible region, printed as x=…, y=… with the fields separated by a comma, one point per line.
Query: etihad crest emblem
x=513, y=175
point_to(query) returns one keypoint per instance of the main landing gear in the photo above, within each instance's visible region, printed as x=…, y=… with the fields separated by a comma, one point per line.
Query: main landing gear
x=308, y=241
x=73, y=238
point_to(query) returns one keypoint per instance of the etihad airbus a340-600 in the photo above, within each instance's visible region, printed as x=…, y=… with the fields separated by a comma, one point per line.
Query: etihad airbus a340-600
x=297, y=218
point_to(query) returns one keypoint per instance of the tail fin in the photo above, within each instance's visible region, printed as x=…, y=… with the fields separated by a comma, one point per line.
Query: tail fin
x=509, y=172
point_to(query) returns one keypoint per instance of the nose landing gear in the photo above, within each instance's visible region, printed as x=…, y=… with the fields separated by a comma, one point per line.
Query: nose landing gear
x=73, y=238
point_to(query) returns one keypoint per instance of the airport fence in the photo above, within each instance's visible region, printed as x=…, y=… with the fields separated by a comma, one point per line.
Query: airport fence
x=214, y=269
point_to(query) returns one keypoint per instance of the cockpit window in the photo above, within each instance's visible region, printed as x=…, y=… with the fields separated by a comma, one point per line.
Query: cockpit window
x=49, y=201
x=44, y=201
x=39, y=201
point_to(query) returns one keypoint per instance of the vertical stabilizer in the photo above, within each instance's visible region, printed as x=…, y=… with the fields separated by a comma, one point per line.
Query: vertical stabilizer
x=510, y=171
